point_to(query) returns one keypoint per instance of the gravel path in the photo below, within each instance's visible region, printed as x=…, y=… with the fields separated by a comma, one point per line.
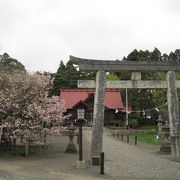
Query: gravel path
x=127, y=161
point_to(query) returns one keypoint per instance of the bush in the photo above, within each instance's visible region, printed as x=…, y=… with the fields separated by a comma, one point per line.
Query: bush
x=134, y=120
x=133, y=123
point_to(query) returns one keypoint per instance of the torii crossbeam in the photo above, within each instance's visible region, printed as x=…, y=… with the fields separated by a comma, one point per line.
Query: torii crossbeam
x=119, y=66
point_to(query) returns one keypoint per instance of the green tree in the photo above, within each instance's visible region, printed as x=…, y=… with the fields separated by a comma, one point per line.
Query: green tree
x=156, y=55
x=8, y=64
x=142, y=99
x=174, y=56
x=60, y=79
x=144, y=55
x=67, y=76
x=133, y=56
x=177, y=52
x=165, y=57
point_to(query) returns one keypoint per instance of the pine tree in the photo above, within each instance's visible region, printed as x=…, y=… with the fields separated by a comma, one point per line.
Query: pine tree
x=67, y=76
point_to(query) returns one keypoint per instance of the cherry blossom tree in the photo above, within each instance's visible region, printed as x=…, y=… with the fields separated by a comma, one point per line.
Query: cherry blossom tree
x=26, y=111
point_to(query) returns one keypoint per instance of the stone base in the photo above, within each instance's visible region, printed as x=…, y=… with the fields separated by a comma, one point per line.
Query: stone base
x=165, y=148
x=71, y=148
x=95, y=160
x=81, y=164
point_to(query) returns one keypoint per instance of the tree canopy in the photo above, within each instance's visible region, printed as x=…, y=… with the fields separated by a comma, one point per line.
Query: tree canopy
x=25, y=108
x=144, y=99
x=67, y=77
x=9, y=64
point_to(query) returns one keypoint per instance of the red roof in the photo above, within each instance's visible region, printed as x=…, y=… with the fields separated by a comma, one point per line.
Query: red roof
x=71, y=97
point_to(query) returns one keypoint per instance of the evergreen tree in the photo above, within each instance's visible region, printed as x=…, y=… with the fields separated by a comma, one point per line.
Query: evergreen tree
x=59, y=79
x=67, y=76
x=156, y=55
x=177, y=52
x=144, y=55
x=8, y=64
x=165, y=57
x=174, y=56
x=133, y=56
x=141, y=99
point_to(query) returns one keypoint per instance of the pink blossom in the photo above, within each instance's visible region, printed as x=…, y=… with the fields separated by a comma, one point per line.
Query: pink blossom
x=25, y=108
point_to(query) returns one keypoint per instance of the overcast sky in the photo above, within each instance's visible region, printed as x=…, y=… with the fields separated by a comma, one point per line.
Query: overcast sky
x=40, y=33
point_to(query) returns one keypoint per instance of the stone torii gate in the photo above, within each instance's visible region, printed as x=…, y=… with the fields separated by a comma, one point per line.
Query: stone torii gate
x=101, y=66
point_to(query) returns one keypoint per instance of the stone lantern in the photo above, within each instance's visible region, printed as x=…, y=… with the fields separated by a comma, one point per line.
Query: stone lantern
x=160, y=123
x=163, y=135
x=71, y=148
x=165, y=131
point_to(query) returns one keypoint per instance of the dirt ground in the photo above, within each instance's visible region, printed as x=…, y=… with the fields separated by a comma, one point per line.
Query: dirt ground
x=52, y=164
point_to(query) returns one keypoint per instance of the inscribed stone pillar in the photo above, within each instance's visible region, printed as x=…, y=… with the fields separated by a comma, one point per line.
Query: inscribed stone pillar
x=173, y=110
x=98, y=117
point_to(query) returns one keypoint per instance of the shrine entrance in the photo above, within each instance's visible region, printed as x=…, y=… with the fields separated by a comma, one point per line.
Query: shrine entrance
x=101, y=67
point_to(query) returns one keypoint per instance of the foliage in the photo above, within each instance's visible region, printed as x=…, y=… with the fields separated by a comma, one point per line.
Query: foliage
x=133, y=123
x=142, y=99
x=112, y=77
x=8, y=64
x=67, y=77
x=25, y=108
x=134, y=120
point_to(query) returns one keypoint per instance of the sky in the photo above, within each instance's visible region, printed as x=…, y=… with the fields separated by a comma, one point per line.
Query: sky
x=41, y=33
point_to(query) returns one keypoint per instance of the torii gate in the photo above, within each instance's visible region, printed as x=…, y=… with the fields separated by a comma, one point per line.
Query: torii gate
x=101, y=66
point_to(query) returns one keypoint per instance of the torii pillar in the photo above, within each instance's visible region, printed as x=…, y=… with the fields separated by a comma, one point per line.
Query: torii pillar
x=98, y=117
x=173, y=110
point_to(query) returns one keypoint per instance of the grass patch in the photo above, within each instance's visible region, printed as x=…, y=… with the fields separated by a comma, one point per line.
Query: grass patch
x=149, y=137
x=153, y=128
x=19, y=150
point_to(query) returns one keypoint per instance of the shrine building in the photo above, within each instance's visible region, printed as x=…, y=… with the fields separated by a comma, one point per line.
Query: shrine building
x=84, y=98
